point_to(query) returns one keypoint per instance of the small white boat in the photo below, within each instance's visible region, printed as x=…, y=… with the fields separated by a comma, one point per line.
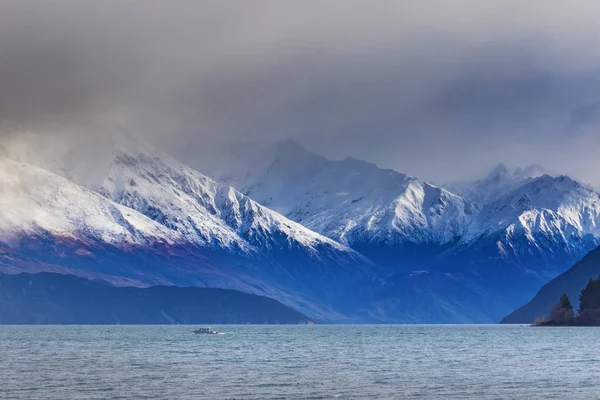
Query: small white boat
x=205, y=331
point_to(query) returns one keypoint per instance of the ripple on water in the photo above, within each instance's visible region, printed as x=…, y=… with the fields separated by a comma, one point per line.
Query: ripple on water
x=298, y=362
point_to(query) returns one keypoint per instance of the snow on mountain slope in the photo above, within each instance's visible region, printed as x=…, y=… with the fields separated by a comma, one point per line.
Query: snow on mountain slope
x=557, y=206
x=450, y=252
x=217, y=236
x=34, y=200
x=358, y=203
x=527, y=229
x=542, y=225
x=164, y=189
x=351, y=201
x=202, y=211
x=527, y=237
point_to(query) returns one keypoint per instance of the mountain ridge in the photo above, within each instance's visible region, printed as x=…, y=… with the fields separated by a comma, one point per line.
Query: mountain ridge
x=64, y=299
x=268, y=254
x=528, y=227
x=358, y=229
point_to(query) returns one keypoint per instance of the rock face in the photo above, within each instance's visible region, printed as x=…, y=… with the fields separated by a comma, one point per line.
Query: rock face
x=64, y=299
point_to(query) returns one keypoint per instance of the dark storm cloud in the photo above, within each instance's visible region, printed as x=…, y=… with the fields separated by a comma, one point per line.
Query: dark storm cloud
x=439, y=89
x=53, y=63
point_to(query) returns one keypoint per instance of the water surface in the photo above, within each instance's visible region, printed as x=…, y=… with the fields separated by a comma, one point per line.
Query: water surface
x=299, y=362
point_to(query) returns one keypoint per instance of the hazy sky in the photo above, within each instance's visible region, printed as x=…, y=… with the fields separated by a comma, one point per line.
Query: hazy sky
x=440, y=89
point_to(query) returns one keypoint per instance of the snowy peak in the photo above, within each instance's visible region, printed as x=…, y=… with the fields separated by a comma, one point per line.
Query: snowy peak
x=195, y=208
x=498, y=182
x=577, y=204
x=200, y=231
x=37, y=202
x=421, y=214
x=547, y=192
x=526, y=201
x=350, y=200
x=515, y=216
x=147, y=218
x=546, y=222
x=174, y=197
x=213, y=210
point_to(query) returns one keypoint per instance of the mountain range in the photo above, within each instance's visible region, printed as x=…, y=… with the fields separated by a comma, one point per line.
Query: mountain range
x=492, y=242
x=152, y=220
x=341, y=241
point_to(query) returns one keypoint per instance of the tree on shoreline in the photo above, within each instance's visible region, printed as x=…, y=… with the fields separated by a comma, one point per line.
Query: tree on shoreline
x=589, y=308
x=565, y=302
x=562, y=312
x=590, y=296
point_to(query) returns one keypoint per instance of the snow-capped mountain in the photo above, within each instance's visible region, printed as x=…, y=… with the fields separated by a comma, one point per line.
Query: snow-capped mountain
x=350, y=201
x=541, y=226
x=197, y=208
x=356, y=202
x=539, y=201
x=166, y=190
x=503, y=235
x=144, y=200
x=287, y=223
x=36, y=201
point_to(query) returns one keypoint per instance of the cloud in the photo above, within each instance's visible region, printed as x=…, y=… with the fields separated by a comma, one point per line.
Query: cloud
x=439, y=89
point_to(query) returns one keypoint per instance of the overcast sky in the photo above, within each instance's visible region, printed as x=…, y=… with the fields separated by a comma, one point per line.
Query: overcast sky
x=441, y=89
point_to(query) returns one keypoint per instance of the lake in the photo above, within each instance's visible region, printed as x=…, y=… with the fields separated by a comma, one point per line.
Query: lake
x=299, y=362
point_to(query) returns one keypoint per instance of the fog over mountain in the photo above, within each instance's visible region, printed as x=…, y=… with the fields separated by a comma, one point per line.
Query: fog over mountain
x=439, y=90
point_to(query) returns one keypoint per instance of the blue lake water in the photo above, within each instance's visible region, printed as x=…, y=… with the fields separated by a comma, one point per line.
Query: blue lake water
x=299, y=362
